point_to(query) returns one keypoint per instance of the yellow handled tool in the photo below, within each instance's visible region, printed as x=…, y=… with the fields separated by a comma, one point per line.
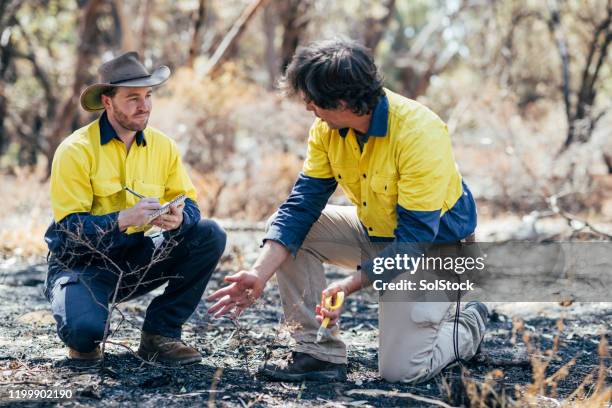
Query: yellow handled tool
x=329, y=303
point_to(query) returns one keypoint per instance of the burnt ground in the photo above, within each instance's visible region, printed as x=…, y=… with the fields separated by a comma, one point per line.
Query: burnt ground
x=32, y=357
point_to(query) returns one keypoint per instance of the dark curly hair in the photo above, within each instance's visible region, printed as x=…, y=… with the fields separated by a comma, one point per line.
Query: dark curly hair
x=331, y=71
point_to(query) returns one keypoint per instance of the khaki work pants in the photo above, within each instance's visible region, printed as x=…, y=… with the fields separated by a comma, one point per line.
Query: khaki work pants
x=416, y=338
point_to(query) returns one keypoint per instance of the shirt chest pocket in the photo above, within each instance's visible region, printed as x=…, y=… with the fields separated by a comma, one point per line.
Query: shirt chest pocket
x=348, y=178
x=385, y=191
x=149, y=189
x=108, y=196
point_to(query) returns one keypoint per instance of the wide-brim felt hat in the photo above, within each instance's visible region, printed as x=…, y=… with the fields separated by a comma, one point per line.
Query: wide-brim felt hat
x=125, y=70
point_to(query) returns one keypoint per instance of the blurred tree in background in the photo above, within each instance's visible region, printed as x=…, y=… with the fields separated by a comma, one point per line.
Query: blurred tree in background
x=524, y=81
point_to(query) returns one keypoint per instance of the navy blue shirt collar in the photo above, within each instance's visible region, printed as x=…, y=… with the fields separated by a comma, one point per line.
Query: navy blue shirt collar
x=107, y=133
x=378, y=123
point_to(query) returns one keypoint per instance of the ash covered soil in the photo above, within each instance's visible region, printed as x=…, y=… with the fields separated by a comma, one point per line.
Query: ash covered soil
x=33, y=357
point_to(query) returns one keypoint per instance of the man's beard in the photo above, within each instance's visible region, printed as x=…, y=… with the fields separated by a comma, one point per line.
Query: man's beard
x=125, y=122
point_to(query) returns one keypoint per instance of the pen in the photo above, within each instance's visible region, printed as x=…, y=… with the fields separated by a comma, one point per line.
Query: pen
x=133, y=192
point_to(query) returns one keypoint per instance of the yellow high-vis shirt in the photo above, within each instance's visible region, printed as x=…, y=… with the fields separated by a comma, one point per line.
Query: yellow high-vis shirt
x=91, y=169
x=408, y=162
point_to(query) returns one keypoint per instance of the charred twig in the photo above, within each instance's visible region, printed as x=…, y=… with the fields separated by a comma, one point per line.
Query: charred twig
x=241, y=347
x=133, y=353
x=554, y=205
x=213, y=387
x=94, y=248
x=25, y=382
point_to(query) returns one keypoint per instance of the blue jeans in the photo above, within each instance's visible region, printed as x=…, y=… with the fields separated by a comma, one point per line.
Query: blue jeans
x=80, y=293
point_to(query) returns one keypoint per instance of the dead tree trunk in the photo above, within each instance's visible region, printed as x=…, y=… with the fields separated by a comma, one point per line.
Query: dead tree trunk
x=3, y=138
x=271, y=58
x=144, y=29
x=195, y=37
x=376, y=27
x=294, y=18
x=85, y=54
x=5, y=60
x=581, y=118
x=127, y=36
x=24, y=126
x=233, y=35
x=8, y=9
x=428, y=54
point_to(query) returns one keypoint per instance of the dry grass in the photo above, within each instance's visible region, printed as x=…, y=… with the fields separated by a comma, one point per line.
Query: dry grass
x=542, y=391
x=243, y=143
x=26, y=214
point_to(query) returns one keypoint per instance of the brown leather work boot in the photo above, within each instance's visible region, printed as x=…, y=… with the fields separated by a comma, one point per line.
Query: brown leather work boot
x=167, y=350
x=94, y=355
x=303, y=367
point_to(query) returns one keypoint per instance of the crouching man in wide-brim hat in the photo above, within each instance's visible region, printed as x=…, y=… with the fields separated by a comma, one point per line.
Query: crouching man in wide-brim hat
x=108, y=179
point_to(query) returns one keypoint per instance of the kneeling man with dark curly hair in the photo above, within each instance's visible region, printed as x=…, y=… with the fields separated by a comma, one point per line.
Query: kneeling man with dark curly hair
x=393, y=158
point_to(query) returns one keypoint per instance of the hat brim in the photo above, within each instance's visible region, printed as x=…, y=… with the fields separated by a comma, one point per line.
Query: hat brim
x=91, y=97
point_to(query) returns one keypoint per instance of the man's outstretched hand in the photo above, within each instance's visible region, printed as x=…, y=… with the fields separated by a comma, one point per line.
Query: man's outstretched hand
x=245, y=287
